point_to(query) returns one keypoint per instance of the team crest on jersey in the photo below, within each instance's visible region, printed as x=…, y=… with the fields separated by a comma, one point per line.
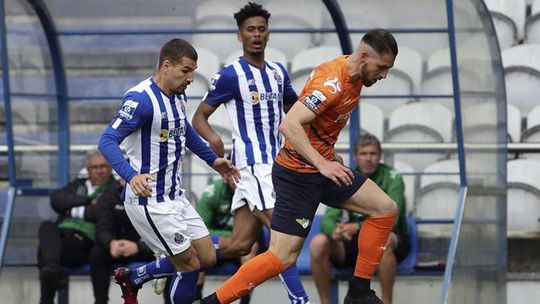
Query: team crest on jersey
x=278, y=78
x=334, y=84
x=179, y=238
x=255, y=98
x=313, y=100
x=127, y=109
x=213, y=82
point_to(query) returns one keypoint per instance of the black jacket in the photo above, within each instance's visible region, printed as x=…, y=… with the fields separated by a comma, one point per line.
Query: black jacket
x=113, y=222
x=73, y=195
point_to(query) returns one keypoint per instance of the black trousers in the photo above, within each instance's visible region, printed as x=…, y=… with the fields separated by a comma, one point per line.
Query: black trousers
x=101, y=266
x=59, y=247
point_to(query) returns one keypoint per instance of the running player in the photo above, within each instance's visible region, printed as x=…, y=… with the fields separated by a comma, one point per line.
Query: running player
x=306, y=173
x=153, y=126
x=255, y=92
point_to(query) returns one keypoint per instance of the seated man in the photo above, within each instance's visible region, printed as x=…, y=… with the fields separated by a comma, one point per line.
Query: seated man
x=69, y=240
x=117, y=242
x=338, y=242
x=214, y=207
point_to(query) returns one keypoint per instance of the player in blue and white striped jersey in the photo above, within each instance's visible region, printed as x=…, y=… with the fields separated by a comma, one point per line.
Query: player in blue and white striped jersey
x=256, y=94
x=152, y=124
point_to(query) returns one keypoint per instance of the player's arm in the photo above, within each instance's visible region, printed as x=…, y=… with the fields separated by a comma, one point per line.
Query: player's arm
x=292, y=129
x=132, y=115
x=202, y=126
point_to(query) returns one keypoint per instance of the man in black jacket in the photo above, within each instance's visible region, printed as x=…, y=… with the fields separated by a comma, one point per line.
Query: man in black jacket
x=69, y=240
x=117, y=242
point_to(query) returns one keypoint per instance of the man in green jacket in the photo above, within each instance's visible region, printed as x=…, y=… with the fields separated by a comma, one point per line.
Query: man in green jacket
x=338, y=242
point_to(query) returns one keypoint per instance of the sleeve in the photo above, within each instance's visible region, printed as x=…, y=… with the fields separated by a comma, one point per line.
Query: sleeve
x=133, y=113
x=330, y=219
x=105, y=228
x=222, y=88
x=67, y=197
x=321, y=91
x=289, y=95
x=197, y=146
x=396, y=191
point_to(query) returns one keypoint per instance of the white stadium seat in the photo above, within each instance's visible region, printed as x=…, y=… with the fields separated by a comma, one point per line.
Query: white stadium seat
x=420, y=122
x=509, y=20
x=522, y=75
x=523, y=206
x=513, y=117
x=532, y=132
x=303, y=63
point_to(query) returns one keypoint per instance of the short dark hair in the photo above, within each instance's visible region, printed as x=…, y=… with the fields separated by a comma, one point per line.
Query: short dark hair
x=176, y=49
x=367, y=139
x=251, y=9
x=382, y=41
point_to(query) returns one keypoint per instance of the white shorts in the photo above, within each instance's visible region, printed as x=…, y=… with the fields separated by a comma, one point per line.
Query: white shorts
x=167, y=227
x=255, y=188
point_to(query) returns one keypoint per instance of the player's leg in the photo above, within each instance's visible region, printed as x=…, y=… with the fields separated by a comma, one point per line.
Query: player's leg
x=246, y=231
x=322, y=251
x=369, y=200
x=387, y=269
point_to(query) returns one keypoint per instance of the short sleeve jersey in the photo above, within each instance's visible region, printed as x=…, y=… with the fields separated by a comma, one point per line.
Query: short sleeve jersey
x=254, y=98
x=332, y=95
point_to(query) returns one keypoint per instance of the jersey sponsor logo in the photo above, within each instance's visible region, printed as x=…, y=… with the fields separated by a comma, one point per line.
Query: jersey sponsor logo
x=303, y=222
x=254, y=97
x=127, y=109
x=179, y=238
x=334, y=84
x=165, y=135
x=213, y=82
x=313, y=100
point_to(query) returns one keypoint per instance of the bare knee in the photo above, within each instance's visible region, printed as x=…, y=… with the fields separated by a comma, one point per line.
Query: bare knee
x=386, y=206
x=319, y=246
x=207, y=260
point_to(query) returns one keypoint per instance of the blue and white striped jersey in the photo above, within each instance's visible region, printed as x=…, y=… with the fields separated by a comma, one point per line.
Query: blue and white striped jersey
x=254, y=99
x=155, y=132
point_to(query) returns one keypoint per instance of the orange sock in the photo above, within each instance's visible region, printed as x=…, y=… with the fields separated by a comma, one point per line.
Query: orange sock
x=371, y=243
x=251, y=274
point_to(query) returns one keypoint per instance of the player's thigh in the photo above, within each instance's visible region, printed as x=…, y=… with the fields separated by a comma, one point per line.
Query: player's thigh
x=247, y=226
x=205, y=251
x=370, y=200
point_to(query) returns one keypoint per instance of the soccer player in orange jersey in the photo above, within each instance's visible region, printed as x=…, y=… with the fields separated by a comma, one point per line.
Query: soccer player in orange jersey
x=307, y=172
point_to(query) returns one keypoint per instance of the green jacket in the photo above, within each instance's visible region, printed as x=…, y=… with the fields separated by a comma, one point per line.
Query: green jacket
x=392, y=184
x=215, y=208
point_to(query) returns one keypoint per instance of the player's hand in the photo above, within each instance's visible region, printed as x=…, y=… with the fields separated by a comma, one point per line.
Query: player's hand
x=224, y=167
x=336, y=172
x=338, y=234
x=129, y=248
x=139, y=185
x=115, y=248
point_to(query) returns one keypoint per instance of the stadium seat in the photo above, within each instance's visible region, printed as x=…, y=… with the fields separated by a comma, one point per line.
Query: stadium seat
x=403, y=79
x=420, y=122
x=480, y=128
x=216, y=14
x=407, y=173
x=303, y=63
x=371, y=121
x=523, y=206
x=513, y=122
x=532, y=26
x=269, y=54
x=206, y=69
x=522, y=75
x=284, y=18
x=437, y=196
x=509, y=20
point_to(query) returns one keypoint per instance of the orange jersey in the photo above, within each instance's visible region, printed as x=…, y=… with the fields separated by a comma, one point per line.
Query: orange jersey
x=332, y=95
